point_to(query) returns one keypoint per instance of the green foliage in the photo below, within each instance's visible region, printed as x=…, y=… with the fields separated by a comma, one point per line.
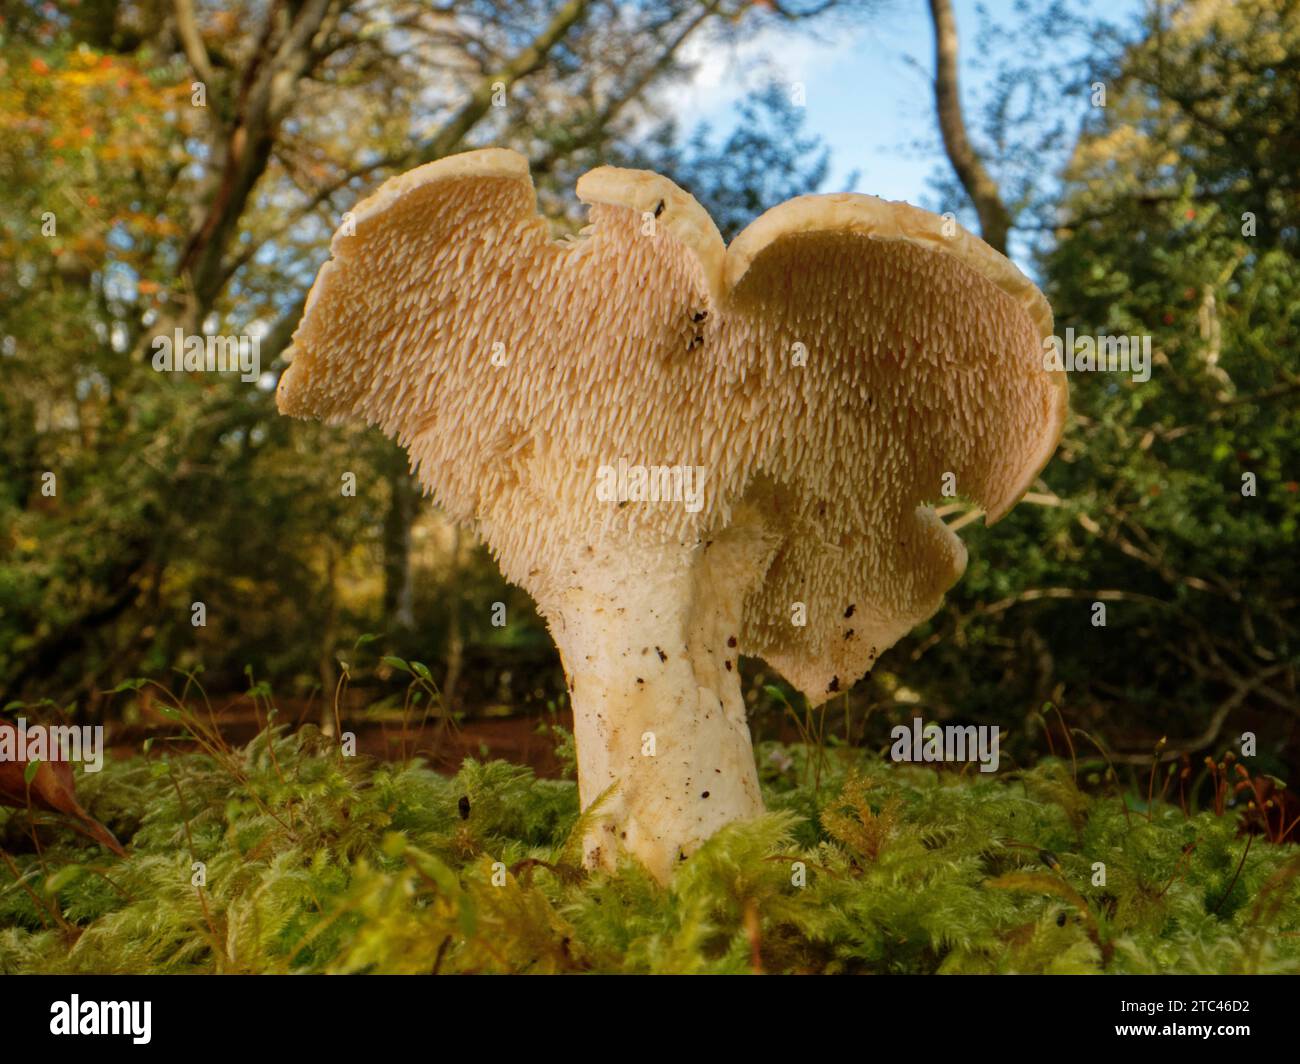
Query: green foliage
x=1174, y=501
x=317, y=863
x=176, y=488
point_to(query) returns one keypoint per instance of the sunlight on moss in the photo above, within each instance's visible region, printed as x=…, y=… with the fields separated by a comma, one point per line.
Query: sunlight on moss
x=315, y=863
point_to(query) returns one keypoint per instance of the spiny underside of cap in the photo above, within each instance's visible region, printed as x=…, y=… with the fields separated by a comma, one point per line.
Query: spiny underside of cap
x=828, y=370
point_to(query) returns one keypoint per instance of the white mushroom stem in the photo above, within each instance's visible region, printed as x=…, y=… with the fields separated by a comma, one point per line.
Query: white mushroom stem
x=649, y=640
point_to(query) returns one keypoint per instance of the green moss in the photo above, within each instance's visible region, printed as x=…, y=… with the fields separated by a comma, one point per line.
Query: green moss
x=318, y=863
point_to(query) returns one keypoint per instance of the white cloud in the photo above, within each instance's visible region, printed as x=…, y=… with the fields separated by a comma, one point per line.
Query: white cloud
x=725, y=71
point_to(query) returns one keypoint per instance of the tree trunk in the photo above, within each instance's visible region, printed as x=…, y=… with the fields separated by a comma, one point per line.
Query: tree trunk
x=455, y=632
x=399, y=589
x=995, y=219
x=325, y=663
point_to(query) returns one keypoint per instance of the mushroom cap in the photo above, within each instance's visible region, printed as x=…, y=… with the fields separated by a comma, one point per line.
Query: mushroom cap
x=828, y=370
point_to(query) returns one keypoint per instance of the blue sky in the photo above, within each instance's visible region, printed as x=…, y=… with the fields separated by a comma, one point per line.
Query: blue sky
x=868, y=90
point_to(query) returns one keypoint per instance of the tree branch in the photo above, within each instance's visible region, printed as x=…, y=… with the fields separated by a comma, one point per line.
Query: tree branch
x=593, y=130
x=447, y=139
x=192, y=41
x=995, y=219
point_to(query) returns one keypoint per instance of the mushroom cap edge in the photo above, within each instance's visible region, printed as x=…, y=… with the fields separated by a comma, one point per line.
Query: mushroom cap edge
x=882, y=219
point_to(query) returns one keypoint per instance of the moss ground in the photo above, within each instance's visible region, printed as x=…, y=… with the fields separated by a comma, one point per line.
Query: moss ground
x=316, y=863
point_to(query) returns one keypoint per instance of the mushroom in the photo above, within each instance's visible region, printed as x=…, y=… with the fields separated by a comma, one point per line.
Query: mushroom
x=823, y=379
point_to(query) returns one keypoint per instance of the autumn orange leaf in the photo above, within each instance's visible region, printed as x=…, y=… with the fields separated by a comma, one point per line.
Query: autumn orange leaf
x=52, y=787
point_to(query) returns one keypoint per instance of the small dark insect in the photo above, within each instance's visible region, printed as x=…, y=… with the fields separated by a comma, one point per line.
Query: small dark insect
x=849, y=611
x=662, y=655
x=1060, y=919
x=659, y=209
x=834, y=685
x=463, y=806
x=728, y=664
x=705, y=794
x=699, y=316
x=731, y=641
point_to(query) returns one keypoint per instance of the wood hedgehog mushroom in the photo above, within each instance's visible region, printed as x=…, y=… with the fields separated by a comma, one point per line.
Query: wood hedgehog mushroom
x=686, y=452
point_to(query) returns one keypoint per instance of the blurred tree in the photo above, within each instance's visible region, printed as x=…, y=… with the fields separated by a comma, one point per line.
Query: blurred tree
x=182, y=164
x=995, y=219
x=1173, y=502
